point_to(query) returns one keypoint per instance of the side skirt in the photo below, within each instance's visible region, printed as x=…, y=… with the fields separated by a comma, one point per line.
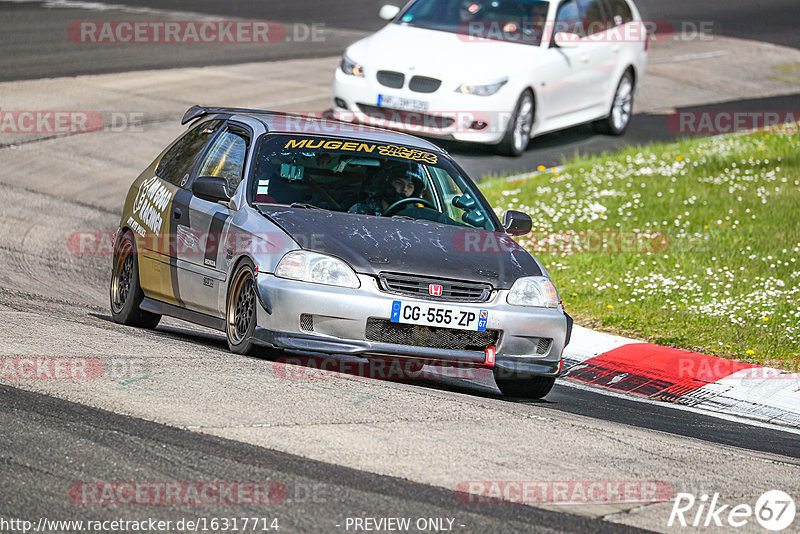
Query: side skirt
x=162, y=308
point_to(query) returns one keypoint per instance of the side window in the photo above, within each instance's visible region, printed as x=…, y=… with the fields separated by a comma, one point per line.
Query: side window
x=593, y=16
x=179, y=160
x=226, y=158
x=568, y=20
x=619, y=11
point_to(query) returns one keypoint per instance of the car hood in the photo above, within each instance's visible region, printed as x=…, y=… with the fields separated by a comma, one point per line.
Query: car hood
x=449, y=56
x=383, y=244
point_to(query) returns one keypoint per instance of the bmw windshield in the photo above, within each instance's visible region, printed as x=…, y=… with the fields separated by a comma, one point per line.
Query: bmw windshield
x=520, y=21
x=366, y=178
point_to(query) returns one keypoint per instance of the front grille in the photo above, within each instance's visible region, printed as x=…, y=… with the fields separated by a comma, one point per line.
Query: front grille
x=423, y=84
x=418, y=286
x=407, y=118
x=392, y=79
x=385, y=331
x=306, y=322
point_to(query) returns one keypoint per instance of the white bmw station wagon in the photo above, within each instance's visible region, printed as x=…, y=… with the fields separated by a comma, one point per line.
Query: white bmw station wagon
x=496, y=71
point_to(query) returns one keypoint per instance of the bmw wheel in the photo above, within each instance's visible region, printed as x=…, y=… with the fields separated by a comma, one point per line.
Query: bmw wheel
x=241, y=309
x=518, y=131
x=125, y=292
x=621, y=108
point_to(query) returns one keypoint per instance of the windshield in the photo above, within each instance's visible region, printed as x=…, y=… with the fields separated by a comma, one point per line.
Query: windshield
x=520, y=21
x=365, y=178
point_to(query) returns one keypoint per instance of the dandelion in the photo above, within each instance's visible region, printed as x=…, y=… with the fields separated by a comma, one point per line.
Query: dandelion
x=765, y=319
x=610, y=306
x=679, y=158
x=750, y=352
x=541, y=168
x=574, y=294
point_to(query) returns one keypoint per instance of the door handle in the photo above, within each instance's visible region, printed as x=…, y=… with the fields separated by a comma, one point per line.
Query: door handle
x=615, y=48
x=585, y=58
x=177, y=213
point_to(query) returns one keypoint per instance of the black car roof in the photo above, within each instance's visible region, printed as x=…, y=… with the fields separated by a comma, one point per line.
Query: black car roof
x=283, y=122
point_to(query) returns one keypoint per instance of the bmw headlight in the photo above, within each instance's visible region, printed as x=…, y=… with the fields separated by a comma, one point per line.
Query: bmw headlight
x=535, y=291
x=316, y=268
x=350, y=67
x=481, y=89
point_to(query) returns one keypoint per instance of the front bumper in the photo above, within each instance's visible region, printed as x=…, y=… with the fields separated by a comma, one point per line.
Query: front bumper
x=339, y=317
x=464, y=110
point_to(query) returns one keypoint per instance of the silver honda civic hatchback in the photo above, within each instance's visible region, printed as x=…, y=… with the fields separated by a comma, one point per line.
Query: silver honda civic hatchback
x=323, y=237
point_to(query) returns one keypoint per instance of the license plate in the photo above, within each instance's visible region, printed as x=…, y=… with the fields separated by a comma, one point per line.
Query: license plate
x=438, y=315
x=401, y=102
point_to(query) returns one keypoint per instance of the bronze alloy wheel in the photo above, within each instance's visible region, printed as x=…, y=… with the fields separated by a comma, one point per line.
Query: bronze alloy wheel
x=122, y=276
x=125, y=293
x=241, y=313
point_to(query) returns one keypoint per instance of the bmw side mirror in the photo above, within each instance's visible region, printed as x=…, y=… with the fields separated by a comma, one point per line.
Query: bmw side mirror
x=516, y=222
x=211, y=188
x=388, y=12
x=567, y=40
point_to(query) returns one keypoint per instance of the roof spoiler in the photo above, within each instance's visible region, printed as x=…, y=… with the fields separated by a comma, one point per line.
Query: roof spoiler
x=196, y=112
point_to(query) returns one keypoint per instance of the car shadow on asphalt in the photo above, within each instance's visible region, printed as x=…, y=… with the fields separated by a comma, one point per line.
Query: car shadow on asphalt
x=309, y=366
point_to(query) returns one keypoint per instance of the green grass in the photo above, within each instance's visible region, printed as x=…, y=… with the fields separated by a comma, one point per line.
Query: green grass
x=727, y=279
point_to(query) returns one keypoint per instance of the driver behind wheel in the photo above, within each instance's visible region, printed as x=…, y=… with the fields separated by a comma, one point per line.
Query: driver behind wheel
x=389, y=186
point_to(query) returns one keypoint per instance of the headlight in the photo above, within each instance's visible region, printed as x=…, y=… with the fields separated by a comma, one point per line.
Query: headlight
x=350, y=67
x=481, y=90
x=535, y=291
x=316, y=268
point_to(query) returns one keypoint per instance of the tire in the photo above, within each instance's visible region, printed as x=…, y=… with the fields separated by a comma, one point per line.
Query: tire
x=125, y=292
x=518, y=131
x=529, y=388
x=619, y=116
x=241, y=308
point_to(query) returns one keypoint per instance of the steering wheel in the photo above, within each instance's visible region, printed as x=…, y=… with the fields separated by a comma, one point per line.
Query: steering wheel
x=402, y=201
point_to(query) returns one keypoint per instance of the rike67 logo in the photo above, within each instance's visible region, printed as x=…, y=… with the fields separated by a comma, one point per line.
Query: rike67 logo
x=774, y=510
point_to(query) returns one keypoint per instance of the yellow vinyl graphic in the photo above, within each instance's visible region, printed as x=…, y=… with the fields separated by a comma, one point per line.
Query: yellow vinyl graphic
x=393, y=151
x=147, y=213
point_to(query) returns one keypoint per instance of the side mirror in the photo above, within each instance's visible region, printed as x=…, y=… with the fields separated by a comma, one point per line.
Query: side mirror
x=517, y=223
x=388, y=12
x=567, y=40
x=211, y=188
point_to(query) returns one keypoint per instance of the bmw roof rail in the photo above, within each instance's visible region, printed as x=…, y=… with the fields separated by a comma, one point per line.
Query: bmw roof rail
x=195, y=112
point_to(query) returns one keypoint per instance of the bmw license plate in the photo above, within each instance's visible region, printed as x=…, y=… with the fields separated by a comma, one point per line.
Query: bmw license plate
x=400, y=102
x=438, y=315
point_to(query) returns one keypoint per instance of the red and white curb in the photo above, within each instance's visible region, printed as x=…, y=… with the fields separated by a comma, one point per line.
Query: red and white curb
x=688, y=378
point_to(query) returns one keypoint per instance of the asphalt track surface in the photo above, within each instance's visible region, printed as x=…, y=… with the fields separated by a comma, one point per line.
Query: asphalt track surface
x=36, y=31
x=77, y=443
